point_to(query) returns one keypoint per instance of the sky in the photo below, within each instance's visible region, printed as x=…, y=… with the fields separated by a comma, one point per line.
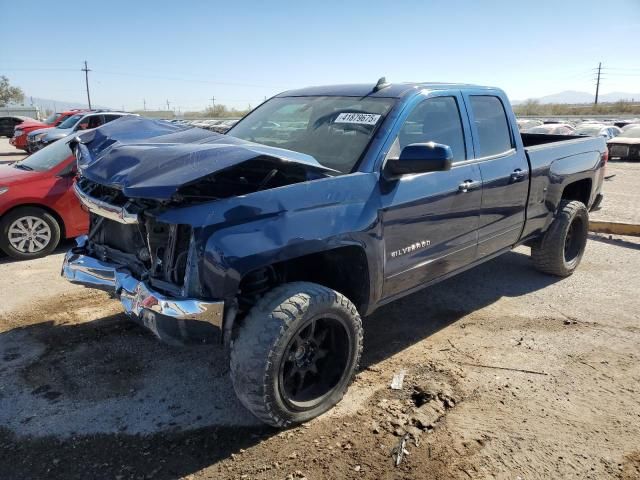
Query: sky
x=243, y=51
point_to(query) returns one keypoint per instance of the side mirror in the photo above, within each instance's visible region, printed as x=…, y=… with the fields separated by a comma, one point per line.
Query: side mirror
x=419, y=158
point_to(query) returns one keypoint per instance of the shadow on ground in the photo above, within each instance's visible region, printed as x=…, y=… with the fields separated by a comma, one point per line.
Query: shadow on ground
x=62, y=247
x=104, y=399
x=619, y=242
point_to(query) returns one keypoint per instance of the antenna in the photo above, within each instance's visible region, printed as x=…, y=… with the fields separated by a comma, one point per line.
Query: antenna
x=382, y=83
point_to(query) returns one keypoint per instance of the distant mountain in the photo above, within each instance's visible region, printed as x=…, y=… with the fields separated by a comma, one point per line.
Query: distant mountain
x=56, y=105
x=572, y=96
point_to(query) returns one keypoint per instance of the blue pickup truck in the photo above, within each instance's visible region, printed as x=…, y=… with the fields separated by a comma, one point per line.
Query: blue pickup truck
x=318, y=207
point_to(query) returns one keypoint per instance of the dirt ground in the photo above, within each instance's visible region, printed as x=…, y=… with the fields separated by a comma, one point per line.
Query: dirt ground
x=8, y=153
x=509, y=374
x=622, y=198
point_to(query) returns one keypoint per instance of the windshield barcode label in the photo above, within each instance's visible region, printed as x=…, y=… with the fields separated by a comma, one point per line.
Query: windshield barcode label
x=361, y=118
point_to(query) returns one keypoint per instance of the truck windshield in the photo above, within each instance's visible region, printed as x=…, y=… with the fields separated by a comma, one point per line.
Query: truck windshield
x=70, y=122
x=47, y=158
x=334, y=130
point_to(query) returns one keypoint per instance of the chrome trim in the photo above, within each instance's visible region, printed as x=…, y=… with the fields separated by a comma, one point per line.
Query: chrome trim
x=104, y=209
x=139, y=300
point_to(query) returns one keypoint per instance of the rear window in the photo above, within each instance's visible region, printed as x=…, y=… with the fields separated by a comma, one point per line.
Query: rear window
x=491, y=124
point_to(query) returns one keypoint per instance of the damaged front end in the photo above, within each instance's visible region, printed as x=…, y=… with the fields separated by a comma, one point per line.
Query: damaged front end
x=126, y=183
x=150, y=266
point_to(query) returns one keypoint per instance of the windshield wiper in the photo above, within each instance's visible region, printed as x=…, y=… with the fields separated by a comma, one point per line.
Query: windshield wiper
x=23, y=167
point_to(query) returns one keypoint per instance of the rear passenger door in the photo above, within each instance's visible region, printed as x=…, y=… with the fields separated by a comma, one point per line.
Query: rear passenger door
x=504, y=170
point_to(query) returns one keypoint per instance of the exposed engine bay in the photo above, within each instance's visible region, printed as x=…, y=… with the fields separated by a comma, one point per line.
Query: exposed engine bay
x=144, y=168
x=160, y=253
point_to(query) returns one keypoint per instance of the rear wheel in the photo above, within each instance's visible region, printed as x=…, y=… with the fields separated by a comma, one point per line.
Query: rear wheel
x=296, y=353
x=561, y=248
x=28, y=232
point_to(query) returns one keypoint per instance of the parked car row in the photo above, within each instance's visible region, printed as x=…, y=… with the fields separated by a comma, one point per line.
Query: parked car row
x=20, y=129
x=623, y=136
x=37, y=203
x=626, y=146
x=8, y=123
x=86, y=120
x=31, y=135
x=215, y=125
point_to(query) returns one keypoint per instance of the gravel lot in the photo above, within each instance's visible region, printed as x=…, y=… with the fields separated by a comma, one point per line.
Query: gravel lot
x=8, y=153
x=87, y=394
x=509, y=373
x=622, y=197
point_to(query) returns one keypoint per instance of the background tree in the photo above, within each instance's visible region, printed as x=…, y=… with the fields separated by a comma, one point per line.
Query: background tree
x=8, y=93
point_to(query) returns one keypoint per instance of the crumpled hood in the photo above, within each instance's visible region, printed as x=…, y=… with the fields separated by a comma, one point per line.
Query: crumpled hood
x=152, y=159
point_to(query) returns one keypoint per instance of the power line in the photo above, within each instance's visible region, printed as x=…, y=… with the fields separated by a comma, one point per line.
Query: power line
x=86, y=79
x=598, y=82
x=194, y=80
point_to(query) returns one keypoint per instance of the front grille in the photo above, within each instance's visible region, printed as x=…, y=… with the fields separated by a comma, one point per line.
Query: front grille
x=101, y=192
x=153, y=251
x=618, y=150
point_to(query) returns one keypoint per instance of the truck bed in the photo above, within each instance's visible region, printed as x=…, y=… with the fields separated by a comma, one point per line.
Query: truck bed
x=555, y=160
x=543, y=149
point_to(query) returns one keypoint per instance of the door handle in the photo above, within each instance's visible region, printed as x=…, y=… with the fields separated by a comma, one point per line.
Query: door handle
x=517, y=175
x=468, y=185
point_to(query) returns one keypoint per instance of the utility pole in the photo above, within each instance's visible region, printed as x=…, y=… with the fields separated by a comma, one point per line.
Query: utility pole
x=598, y=82
x=86, y=81
x=213, y=105
x=144, y=104
x=168, y=108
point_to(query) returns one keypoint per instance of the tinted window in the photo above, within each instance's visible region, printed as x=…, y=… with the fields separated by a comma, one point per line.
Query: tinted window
x=435, y=120
x=95, y=121
x=111, y=117
x=491, y=124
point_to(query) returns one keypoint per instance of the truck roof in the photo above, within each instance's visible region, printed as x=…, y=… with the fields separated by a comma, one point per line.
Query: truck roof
x=393, y=90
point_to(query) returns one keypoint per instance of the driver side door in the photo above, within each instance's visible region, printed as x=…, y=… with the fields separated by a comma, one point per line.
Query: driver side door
x=430, y=220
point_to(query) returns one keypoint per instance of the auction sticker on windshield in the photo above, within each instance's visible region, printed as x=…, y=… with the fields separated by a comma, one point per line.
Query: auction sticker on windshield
x=361, y=118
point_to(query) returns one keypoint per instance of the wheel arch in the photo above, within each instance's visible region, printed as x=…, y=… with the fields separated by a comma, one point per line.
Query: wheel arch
x=343, y=268
x=47, y=209
x=578, y=190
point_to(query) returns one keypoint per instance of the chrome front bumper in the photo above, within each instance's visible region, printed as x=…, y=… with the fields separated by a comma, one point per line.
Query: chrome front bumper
x=104, y=209
x=173, y=320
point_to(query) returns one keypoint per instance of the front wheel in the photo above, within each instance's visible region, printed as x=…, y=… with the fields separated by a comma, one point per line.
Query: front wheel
x=295, y=354
x=28, y=232
x=560, y=249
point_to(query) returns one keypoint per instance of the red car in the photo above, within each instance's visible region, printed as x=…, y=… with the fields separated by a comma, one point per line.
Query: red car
x=19, y=139
x=37, y=203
